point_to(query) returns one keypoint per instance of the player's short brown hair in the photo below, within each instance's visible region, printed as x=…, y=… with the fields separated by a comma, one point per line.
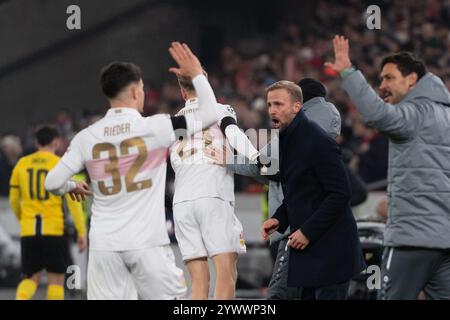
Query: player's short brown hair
x=118, y=75
x=186, y=82
x=293, y=89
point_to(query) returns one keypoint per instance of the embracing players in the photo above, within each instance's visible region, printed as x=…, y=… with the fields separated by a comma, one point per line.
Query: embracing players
x=125, y=156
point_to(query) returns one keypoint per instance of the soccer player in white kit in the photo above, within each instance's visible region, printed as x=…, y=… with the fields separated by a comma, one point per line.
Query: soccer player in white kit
x=203, y=210
x=125, y=156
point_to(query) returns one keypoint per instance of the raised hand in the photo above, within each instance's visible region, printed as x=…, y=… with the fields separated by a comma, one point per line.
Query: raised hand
x=341, y=54
x=189, y=66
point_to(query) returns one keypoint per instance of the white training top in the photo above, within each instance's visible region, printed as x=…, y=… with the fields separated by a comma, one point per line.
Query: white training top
x=195, y=175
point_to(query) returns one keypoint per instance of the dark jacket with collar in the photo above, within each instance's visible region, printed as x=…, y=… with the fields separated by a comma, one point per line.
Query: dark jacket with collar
x=317, y=195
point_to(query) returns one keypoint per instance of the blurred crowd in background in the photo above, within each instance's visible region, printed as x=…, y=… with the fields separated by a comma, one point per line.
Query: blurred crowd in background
x=248, y=66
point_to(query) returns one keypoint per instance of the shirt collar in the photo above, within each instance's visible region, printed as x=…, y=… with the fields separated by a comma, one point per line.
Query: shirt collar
x=113, y=112
x=298, y=117
x=191, y=102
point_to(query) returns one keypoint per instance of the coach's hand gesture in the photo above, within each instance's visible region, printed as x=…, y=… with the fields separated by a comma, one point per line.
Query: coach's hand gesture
x=269, y=227
x=298, y=241
x=189, y=66
x=341, y=55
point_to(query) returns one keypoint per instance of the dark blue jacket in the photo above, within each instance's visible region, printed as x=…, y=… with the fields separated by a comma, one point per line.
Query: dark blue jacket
x=316, y=200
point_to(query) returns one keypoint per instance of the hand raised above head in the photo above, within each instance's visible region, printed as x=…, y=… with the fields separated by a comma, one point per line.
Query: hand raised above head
x=189, y=65
x=341, y=54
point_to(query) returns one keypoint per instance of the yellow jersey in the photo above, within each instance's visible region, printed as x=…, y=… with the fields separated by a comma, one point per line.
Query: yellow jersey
x=39, y=211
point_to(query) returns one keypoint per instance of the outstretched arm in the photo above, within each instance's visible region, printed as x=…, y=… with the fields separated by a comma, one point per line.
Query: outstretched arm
x=58, y=179
x=58, y=182
x=399, y=121
x=237, y=139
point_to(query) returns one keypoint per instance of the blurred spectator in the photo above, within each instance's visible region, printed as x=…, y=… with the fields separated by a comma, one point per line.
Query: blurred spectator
x=372, y=153
x=66, y=130
x=10, y=152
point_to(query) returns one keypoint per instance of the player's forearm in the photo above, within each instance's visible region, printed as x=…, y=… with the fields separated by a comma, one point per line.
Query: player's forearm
x=57, y=180
x=240, y=165
x=76, y=211
x=240, y=142
x=14, y=201
x=59, y=189
x=400, y=121
x=368, y=103
x=207, y=113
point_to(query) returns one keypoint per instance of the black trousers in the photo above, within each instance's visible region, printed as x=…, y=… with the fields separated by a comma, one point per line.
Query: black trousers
x=406, y=271
x=279, y=290
x=333, y=292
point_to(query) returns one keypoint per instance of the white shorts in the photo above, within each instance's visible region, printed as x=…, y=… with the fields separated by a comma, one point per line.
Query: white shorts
x=206, y=227
x=126, y=275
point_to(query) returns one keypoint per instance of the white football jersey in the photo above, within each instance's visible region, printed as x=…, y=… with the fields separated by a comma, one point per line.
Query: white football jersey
x=125, y=156
x=195, y=174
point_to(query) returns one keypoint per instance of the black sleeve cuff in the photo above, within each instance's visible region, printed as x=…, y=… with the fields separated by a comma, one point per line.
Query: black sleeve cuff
x=178, y=122
x=262, y=161
x=226, y=122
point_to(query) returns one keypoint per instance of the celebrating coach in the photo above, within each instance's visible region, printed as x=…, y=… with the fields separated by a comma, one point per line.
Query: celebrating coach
x=325, y=250
x=415, y=115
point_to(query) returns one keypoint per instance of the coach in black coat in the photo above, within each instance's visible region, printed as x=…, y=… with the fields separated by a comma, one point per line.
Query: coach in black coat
x=325, y=252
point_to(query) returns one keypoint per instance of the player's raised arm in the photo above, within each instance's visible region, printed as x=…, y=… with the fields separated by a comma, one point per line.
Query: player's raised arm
x=207, y=115
x=190, y=67
x=398, y=120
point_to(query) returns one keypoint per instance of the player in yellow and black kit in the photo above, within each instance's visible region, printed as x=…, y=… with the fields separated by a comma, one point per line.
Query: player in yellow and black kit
x=41, y=218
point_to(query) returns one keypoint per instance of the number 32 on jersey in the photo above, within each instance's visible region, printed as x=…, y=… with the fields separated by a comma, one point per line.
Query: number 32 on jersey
x=113, y=166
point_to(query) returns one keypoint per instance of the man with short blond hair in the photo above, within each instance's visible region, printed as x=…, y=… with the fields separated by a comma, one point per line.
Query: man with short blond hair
x=292, y=88
x=325, y=252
